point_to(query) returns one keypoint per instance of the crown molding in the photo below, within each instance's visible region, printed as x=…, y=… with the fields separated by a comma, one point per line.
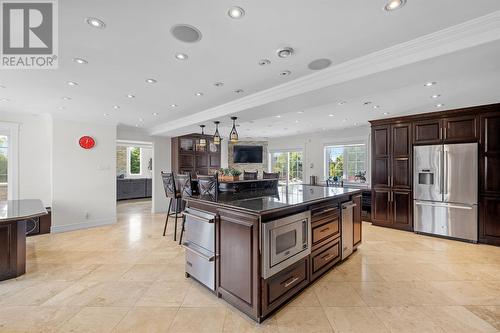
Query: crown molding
x=465, y=35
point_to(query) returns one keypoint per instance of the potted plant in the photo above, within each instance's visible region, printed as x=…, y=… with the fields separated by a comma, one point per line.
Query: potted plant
x=229, y=174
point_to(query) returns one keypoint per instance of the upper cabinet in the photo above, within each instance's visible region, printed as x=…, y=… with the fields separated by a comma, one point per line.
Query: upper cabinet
x=446, y=130
x=190, y=156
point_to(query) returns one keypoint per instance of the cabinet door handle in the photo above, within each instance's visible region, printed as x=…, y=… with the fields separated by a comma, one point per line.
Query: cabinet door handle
x=290, y=282
x=325, y=229
x=327, y=257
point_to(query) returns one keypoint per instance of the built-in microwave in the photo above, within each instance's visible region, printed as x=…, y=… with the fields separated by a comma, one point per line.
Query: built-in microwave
x=284, y=242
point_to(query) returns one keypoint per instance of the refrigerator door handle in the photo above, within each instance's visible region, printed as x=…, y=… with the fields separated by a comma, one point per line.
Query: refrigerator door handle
x=441, y=181
x=441, y=205
x=446, y=173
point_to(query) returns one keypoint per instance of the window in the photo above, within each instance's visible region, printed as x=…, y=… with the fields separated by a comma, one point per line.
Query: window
x=4, y=167
x=346, y=162
x=134, y=160
x=290, y=166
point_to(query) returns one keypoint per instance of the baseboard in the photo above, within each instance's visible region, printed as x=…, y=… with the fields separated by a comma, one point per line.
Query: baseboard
x=82, y=225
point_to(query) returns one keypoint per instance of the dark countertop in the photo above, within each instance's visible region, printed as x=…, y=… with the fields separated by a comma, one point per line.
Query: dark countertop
x=261, y=201
x=247, y=181
x=15, y=210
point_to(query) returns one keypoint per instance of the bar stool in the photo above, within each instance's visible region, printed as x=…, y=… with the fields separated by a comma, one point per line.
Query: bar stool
x=270, y=175
x=183, y=184
x=171, y=192
x=250, y=175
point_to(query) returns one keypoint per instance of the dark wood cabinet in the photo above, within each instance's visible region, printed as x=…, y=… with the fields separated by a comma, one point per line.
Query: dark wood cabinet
x=428, y=131
x=460, y=129
x=188, y=156
x=392, y=160
x=238, y=260
x=453, y=129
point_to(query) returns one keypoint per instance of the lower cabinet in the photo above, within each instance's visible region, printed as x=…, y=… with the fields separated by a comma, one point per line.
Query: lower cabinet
x=489, y=220
x=280, y=287
x=325, y=258
x=392, y=208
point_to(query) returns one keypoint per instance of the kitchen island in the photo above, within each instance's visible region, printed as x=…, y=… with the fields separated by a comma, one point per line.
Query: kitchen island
x=258, y=249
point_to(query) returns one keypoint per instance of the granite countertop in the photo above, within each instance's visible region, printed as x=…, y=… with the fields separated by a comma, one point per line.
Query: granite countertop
x=247, y=181
x=14, y=210
x=279, y=198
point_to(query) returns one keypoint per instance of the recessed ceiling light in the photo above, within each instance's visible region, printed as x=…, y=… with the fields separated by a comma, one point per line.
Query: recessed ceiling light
x=66, y=98
x=330, y=115
x=341, y=102
x=151, y=81
x=61, y=107
x=239, y=91
x=4, y=100
x=394, y=4
x=285, y=73
x=376, y=106
x=199, y=94
x=386, y=113
x=428, y=84
x=72, y=83
x=264, y=62
x=236, y=12
x=435, y=96
x=319, y=64
x=181, y=56
x=284, y=52
x=300, y=112
x=80, y=61
x=141, y=120
x=367, y=103
x=105, y=115
x=186, y=33
x=136, y=125
x=439, y=105
x=116, y=107
x=95, y=22
x=155, y=114
x=278, y=116
x=174, y=105
x=218, y=84
x=355, y=124
x=130, y=96
x=296, y=121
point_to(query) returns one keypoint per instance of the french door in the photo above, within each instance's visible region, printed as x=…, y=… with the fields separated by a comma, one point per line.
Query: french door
x=290, y=166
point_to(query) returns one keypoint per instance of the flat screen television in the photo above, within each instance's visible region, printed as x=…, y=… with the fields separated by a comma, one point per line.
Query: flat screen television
x=247, y=154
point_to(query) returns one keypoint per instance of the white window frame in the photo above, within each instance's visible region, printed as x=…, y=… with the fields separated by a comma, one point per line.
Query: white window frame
x=352, y=142
x=11, y=130
x=289, y=150
x=129, y=150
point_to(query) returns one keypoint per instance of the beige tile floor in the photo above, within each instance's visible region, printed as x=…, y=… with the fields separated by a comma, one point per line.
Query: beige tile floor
x=128, y=278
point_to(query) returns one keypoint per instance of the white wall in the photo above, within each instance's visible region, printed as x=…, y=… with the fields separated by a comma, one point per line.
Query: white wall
x=162, y=147
x=34, y=155
x=83, y=181
x=312, y=144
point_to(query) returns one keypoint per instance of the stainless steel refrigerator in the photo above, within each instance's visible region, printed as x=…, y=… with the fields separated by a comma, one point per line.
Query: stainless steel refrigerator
x=445, y=190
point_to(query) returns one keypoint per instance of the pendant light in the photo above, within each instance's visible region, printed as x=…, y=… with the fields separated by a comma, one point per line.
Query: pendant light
x=203, y=141
x=233, y=136
x=217, y=138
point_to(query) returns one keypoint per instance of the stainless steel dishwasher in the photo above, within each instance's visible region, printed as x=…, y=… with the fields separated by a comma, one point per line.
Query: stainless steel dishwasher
x=347, y=229
x=200, y=246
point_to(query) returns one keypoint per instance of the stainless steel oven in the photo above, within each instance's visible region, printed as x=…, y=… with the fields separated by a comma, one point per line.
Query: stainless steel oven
x=284, y=242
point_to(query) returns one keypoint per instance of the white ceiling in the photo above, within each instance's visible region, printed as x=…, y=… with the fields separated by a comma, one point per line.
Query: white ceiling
x=136, y=44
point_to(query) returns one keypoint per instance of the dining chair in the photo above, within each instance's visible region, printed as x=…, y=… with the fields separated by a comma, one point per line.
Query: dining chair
x=250, y=175
x=170, y=187
x=183, y=183
x=271, y=175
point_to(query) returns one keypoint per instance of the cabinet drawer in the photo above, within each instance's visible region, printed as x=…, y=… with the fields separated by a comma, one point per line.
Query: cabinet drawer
x=326, y=255
x=285, y=281
x=325, y=212
x=324, y=231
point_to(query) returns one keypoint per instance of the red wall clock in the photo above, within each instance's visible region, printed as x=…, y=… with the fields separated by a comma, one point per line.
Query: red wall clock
x=86, y=142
